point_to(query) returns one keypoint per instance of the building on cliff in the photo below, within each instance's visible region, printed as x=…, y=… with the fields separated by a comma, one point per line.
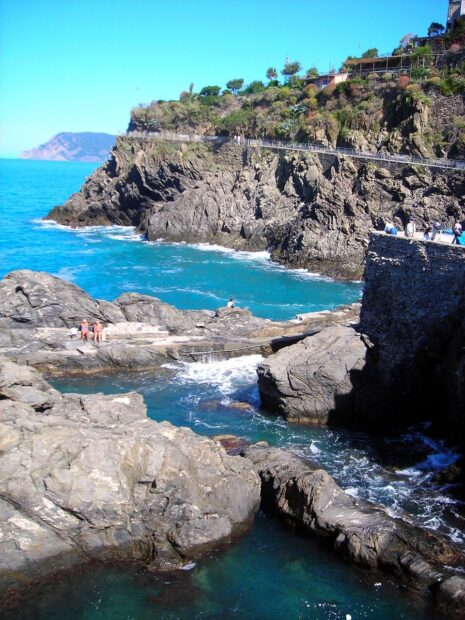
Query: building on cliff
x=456, y=10
x=327, y=79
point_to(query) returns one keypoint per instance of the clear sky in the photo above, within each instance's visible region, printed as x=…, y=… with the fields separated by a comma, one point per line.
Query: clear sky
x=81, y=65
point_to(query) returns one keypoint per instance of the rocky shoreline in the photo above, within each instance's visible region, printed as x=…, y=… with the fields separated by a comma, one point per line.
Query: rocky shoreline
x=311, y=211
x=91, y=479
x=37, y=310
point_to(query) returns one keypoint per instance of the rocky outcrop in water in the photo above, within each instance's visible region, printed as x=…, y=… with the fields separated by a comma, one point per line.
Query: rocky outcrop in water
x=142, y=332
x=309, y=210
x=92, y=478
x=317, y=380
x=362, y=532
x=405, y=361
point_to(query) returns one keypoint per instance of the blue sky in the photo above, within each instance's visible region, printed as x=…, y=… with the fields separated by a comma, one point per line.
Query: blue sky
x=81, y=65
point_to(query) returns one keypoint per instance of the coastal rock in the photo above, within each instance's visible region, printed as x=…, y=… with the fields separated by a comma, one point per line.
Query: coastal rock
x=91, y=477
x=147, y=309
x=310, y=210
x=141, y=332
x=316, y=380
x=37, y=299
x=362, y=532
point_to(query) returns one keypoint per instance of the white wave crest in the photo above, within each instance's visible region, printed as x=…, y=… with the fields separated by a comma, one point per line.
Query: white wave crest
x=227, y=375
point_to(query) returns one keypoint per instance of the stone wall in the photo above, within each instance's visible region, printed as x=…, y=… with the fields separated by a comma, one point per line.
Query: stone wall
x=412, y=312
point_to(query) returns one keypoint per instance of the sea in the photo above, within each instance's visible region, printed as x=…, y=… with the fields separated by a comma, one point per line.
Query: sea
x=272, y=573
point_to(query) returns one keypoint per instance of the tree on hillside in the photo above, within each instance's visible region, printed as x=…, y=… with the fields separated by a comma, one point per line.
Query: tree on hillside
x=435, y=29
x=235, y=85
x=371, y=53
x=210, y=91
x=191, y=88
x=312, y=72
x=291, y=68
x=271, y=73
x=254, y=88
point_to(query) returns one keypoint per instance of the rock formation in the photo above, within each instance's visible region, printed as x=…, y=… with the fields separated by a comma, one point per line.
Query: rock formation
x=362, y=532
x=36, y=310
x=318, y=379
x=405, y=361
x=309, y=210
x=91, y=477
x=68, y=146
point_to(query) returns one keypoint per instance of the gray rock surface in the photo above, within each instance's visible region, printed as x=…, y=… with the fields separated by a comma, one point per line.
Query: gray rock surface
x=91, y=477
x=37, y=299
x=316, y=380
x=312, y=211
x=142, y=332
x=360, y=531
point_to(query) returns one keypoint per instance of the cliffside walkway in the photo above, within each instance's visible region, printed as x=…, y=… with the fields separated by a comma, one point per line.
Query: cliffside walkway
x=448, y=164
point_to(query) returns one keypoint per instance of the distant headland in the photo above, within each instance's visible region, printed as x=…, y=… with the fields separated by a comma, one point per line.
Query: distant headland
x=69, y=146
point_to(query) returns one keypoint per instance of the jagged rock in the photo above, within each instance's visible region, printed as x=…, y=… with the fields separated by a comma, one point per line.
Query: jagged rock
x=91, y=477
x=316, y=380
x=141, y=332
x=310, y=210
x=37, y=299
x=362, y=532
x=147, y=309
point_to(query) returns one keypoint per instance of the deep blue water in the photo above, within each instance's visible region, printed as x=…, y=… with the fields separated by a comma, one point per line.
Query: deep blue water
x=272, y=573
x=109, y=261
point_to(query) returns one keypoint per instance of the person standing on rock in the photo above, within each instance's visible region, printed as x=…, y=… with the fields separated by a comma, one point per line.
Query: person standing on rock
x=84, y=330
x=457, y=232
x=437, y=227
x=98, y=327
x=231, y=303
x=410, y=229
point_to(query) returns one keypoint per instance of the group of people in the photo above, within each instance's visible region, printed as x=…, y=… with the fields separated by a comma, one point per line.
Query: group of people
x=88, y=332
x=430, y=233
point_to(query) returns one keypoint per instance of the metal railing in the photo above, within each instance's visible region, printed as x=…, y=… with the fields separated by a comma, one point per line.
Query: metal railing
x=455, y=164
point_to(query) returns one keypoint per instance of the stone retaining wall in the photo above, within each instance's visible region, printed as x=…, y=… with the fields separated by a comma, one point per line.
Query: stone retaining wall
x=412, y=311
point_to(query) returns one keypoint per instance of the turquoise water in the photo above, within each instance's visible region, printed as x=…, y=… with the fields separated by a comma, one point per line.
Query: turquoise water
x=109, y=261
x=272, y=573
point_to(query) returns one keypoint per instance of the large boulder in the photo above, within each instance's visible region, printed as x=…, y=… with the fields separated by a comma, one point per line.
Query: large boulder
x=316, y=381
x=91, y=477
x=37, y=299
x=151, y=310
x=362, y=532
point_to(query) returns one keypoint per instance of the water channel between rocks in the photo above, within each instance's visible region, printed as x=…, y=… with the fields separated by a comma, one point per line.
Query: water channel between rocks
x=271, y=573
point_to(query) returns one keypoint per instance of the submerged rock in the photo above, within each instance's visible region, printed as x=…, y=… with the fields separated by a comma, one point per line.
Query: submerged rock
x=362, y=532
x=91, y=477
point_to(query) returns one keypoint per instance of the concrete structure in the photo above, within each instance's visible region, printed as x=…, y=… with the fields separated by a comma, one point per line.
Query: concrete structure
x=456, y=10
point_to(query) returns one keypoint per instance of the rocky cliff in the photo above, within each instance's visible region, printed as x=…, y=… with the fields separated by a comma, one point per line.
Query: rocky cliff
x=68, y=146
x=312, y=211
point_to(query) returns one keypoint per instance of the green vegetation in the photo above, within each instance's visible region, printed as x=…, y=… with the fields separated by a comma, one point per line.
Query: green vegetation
x=435, y=29
x=371, y=53
x=380, y=109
